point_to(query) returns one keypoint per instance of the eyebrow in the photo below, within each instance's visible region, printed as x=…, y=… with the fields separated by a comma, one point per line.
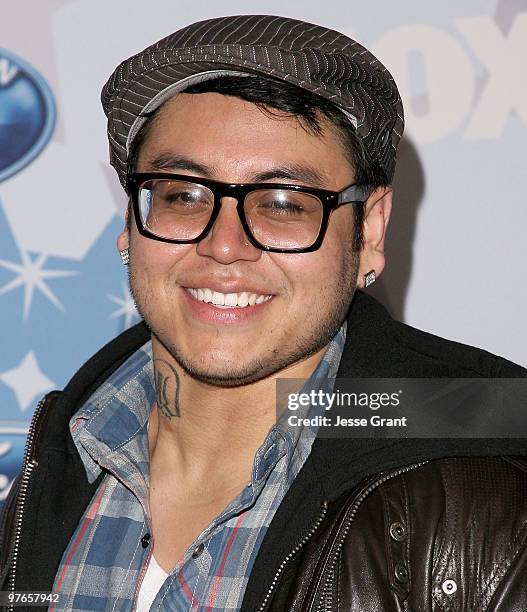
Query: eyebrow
x=289, y=171
x=169, y=161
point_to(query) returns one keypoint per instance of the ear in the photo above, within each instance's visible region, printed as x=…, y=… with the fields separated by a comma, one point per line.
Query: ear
x=123, y=240
x=377, y=209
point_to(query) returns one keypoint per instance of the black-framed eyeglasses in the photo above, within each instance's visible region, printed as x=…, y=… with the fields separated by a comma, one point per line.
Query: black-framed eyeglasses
x=276, y=217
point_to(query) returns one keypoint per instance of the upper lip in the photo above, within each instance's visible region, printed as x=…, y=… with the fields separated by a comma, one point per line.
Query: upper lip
x=231, y=287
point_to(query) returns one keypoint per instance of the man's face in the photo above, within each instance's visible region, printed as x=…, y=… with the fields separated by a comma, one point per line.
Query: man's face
x=224, y=138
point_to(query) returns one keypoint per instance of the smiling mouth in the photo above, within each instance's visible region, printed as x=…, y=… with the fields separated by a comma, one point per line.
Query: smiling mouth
x=227, y=300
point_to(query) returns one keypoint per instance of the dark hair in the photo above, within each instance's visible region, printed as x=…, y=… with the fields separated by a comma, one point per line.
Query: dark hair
x=272, y=95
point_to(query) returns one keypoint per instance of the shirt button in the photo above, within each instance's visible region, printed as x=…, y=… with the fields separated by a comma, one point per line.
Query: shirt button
x=198, y=550
x=145, y=540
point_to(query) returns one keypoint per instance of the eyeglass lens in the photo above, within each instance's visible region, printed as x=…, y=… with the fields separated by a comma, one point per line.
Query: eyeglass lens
x=278, y=218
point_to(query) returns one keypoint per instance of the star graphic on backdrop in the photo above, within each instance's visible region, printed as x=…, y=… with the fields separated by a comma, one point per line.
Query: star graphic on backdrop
x=31, y=275
x=127, y=307
x=5, y=447
x=27, y=380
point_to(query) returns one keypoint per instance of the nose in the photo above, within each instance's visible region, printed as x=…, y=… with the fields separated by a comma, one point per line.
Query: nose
x=227, y=242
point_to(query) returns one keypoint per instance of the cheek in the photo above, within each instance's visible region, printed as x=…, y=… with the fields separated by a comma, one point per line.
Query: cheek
x=155, y=258
x=318, y=276
x=152, y=271
x=331, y=275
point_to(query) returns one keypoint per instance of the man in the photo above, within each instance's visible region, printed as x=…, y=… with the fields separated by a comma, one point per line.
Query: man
x=258, y=153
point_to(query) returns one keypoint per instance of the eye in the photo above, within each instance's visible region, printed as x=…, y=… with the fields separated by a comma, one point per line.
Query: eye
x=183, y=197
x=283, y=207
x=279, y=204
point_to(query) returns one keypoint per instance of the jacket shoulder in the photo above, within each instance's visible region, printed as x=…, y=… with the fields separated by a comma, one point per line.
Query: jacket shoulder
x=455, y=356
x=383, y=346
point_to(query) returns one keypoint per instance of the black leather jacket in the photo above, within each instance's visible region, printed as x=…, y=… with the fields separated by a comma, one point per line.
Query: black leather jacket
x=413, y=525
x=447, y=535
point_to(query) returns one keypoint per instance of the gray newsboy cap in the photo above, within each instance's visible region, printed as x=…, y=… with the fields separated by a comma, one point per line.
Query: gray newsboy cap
x=312, y=57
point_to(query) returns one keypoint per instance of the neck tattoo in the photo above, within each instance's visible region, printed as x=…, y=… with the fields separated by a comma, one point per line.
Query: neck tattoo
x=166, y=382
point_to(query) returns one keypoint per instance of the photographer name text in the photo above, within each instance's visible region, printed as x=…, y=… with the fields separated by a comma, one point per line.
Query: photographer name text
x=326, y=421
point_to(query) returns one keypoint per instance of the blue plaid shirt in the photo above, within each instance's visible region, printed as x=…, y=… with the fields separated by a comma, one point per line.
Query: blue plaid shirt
x=104, y=563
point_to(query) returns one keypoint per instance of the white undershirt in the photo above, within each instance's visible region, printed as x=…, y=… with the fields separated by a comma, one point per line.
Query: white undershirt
x=154, y=578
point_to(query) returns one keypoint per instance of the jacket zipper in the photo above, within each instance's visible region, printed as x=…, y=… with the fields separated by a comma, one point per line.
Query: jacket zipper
x=326, y=602
x=28, y=465
x=322, y=513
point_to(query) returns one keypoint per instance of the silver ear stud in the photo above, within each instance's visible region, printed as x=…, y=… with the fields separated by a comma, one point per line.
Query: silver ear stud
x=369, y=278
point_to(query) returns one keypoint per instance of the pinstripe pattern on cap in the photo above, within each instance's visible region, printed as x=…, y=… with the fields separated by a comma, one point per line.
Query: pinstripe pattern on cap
x=312, y=57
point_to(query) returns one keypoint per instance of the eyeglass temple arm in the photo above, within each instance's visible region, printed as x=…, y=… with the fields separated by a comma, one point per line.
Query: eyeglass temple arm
x=355, y=193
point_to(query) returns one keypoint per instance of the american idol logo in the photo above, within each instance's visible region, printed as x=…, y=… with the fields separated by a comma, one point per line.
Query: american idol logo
x=27, y=114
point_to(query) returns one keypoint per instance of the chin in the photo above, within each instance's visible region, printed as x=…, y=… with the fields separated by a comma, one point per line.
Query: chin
x=226, y=376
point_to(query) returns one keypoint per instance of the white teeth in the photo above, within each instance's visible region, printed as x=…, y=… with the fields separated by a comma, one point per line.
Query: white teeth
x=227, y=300
x=218, y=298
x=231, y=299
x=243, y=300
